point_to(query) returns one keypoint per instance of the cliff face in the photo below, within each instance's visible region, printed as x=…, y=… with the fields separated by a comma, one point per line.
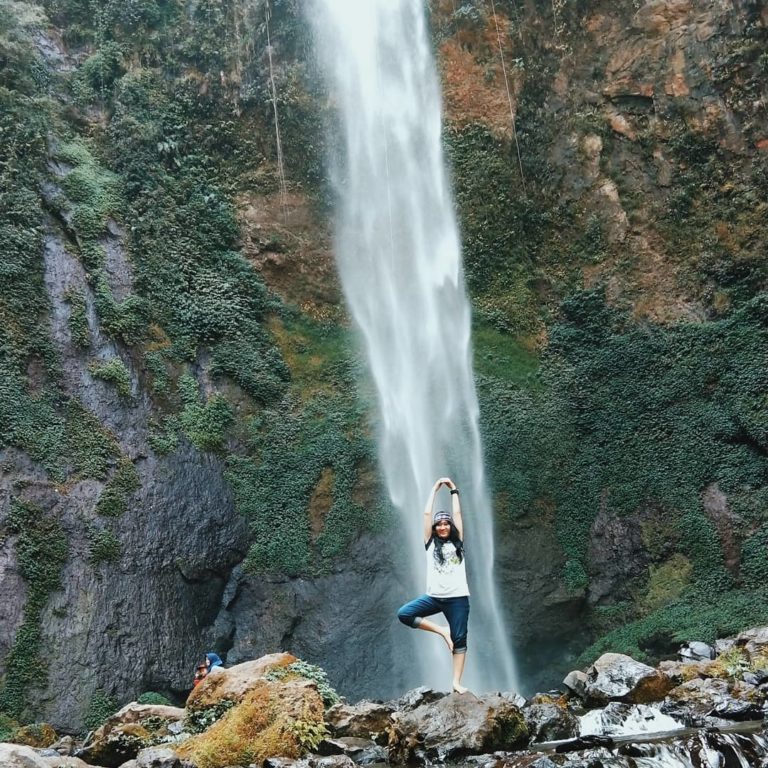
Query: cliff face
x=185, y=463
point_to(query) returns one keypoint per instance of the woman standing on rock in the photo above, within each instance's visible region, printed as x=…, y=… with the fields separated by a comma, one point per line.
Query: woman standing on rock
x=447, y=590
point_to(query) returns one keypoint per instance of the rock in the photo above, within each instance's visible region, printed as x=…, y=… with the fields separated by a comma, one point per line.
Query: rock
x=619, y=719
x=64, y=746
x=362, y=751
x=418, y=696
x=233, y=683
x=694, y=651
x=273, y=719
x=21, y=756
x=550, y=722
x=455, y=726
x=755, y=641
x=366, y=720
x=135, y=713
x=35, y=735
x=657, y=17
x=708, y=702
x=616, y=677
x=157, y=757
x=111, y=746
x=331, y=761
x=122, y=735
x=576, y=681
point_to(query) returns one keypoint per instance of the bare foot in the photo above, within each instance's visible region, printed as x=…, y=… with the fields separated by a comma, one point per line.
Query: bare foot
x=446, y=635
x=459, y=688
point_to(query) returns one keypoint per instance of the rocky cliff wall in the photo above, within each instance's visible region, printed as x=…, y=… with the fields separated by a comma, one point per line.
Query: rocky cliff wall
x=183, y=448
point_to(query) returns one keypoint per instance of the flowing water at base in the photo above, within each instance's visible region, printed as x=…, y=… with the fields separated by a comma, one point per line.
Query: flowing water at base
x=399, y=259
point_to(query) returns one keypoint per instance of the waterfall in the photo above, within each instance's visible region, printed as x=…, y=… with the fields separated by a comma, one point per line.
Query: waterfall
x=399, y=258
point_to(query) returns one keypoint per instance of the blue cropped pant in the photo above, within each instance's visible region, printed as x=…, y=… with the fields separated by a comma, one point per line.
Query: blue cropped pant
x=455, y=610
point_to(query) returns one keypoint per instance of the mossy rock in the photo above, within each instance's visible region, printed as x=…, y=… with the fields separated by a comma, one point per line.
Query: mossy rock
x=38, y=735
x=274, y=719
x=118, y=745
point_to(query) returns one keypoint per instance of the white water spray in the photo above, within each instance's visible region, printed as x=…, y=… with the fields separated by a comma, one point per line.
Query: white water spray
x=399, y=257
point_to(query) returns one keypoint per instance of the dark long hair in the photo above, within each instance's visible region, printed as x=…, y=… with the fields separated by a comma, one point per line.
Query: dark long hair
x=454, y=537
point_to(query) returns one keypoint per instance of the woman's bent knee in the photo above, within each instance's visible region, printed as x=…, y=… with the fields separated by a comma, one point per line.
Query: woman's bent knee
x=406, y=617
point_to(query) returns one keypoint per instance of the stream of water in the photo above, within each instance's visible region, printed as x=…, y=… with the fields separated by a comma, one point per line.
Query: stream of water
x=399, y=257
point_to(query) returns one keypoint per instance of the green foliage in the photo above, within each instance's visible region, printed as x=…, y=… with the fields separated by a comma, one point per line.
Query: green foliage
x=113, y=371
x=8, y=727
x=78, y=319
x=101, y=706
x=197, y=721
x=118, y=491
x=41, y=551
x=701, y=616
x=205, y=424
x=307, y=734
x=150, y=697
x=164, y=438
x=292, y=448
x=90, y=447
x=310, y=672
x=499, y=356
x=126, y=320
x=105, y=547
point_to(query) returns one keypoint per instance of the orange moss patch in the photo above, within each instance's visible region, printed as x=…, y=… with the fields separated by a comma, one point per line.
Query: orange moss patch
x=473, y=79
x=38, y=735
x=285, y=242
x=267, y=723
x=320, y=502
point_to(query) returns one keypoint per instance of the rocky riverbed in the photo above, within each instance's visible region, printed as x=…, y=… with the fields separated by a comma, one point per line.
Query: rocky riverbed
x=705, y=709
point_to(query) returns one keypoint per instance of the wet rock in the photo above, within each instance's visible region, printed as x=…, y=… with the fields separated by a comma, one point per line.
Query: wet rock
x=619, y=719
x=418, y=696
x=367, y=720
x=235, y=682
x=694, y=651
x=550, y=722
x=330, y=761
x=576, y=682
x=362, y=751
x=710, y=701
x=456, y=726
x=615, y=677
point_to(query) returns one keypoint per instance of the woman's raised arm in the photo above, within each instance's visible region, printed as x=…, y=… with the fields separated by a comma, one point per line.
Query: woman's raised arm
x=429, y=510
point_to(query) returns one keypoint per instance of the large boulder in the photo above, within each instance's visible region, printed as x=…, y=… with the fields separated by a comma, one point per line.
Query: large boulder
x=20, y=756
x=233, y=683
x=273, y=719
x=123, y=735
x=616, y=677
x=550, y=721
x=115, y=745
x=456, y=726
x=364, y=720
x=708, y=702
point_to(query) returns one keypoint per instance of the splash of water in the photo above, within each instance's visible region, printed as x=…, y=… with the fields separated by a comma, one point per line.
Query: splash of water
x=399, y=259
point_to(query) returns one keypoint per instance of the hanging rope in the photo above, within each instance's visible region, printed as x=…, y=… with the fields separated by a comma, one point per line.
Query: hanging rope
x=273, y=90
x=509, y=94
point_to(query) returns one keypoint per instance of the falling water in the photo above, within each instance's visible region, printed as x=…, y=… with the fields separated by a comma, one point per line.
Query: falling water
x=400, y=263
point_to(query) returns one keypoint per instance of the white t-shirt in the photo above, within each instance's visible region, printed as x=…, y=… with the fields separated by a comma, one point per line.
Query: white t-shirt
x=447, y=579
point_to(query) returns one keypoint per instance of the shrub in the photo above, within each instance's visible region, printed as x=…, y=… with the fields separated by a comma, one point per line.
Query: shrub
x=309, y=672
x=150, y=697
x=113, y=371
